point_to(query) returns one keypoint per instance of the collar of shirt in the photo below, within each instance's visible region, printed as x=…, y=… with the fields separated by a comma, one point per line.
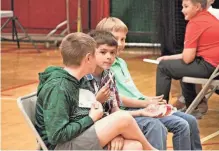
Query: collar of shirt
x=90, y=77
x=120, y=65
x=116, y=62
x=103, y=79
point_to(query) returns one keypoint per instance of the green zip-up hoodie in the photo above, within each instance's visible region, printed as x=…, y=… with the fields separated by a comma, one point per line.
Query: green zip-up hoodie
x=58, y=117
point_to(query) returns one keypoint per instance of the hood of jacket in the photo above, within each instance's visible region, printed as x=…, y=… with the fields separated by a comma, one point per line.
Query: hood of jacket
x=53, y=73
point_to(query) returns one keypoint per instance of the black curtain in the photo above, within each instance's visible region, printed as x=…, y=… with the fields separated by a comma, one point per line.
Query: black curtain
x=172, y=27
x=216, y=4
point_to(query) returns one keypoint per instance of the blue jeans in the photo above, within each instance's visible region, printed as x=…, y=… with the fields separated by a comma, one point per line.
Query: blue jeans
x=185, y=131
x=153, y=130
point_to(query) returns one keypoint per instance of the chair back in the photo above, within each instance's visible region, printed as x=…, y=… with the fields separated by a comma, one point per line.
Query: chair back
x=27, y=105
x=211, y=84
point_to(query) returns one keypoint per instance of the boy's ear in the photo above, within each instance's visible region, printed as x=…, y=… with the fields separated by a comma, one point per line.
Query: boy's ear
x=88, y=57
x=198, y=6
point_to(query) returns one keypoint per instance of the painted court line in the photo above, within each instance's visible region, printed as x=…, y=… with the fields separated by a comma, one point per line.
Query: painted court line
x=19, y=86
x=206, y=144
x=7, y=98
x=215, y=110
x=7, y=95
x=209, y=137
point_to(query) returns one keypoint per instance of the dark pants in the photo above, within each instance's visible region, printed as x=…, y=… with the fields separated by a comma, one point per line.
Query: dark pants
x=177, y=69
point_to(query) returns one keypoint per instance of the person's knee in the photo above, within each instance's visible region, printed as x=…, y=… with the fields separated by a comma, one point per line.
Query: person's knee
x=182, y=126
x=156, y=126
x=192, y=123
x=135, y=145
x=162, y=65
x=162, y=129
x=191, y=120
x=123, y=115
x=124, y=118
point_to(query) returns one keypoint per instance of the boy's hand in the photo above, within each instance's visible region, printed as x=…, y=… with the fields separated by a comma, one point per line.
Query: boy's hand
x=117, y=143
x=96, y=111
x=152, y=110
x=144, y=112
x=104, y=93
x=157, y=100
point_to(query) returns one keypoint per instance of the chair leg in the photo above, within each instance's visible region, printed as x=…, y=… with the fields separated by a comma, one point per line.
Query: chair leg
x=203, y=92
x=207, y=96
x=195, y=103
x=199, y=97
x=6, y=23
x=14, y=33
x=18, y=23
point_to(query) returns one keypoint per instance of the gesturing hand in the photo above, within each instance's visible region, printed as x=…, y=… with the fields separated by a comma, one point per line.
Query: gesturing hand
x=96, y=111
x=104, y=93
x=157, y=100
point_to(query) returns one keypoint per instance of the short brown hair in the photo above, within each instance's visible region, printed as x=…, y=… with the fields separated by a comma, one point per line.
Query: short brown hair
x=103, y=37
x=75, y=46
x=112, y=24
x=202, y=2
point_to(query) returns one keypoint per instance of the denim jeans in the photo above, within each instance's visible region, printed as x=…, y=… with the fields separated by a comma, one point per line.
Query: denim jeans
x=185, y=131
x=153, y=130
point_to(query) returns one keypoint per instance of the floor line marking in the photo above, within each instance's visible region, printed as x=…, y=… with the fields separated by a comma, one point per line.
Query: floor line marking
x=19, y=86
x=7, y=98
x=209, y=136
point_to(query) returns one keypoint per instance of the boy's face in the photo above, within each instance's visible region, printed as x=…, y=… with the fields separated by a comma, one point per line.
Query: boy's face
x=120, y=36
x=105, y=56
x=189, y=9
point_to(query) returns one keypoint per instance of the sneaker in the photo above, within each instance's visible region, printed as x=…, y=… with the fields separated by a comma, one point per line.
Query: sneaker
x=203, y=106
x=180, y=103
x=183, y=109
x=197, y=114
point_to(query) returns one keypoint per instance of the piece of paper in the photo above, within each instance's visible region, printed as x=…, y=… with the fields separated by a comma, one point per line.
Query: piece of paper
x=86, y=98
x=164, y=110
x=151, y=61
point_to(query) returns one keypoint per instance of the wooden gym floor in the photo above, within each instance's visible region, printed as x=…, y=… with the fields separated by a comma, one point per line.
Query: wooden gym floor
x=19, y=77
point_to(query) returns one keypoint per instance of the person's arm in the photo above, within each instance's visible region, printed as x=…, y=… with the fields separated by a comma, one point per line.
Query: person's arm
x=171, y=57
x=58, y=123
x=188, y=55
x=135, y=113
x=193, y=33
x=144, y=112
x=134, y=103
